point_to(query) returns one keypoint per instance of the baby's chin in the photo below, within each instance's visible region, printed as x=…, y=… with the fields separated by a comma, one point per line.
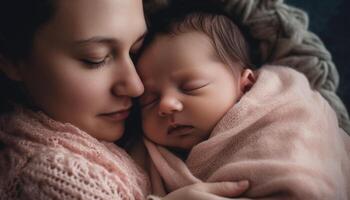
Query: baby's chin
x=188, y=142
x=180, y=152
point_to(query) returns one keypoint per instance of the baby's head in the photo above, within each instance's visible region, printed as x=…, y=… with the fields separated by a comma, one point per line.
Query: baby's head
x=194, y=69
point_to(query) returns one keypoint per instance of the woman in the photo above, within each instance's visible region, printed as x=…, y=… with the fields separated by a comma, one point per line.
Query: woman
x=67, y=82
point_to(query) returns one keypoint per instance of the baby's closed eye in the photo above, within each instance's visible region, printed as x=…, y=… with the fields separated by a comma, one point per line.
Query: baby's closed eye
x=194, y=85
x=147, y=99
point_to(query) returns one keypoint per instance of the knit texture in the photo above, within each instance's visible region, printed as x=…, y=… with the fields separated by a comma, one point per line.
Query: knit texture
x=44, y=159
x=284, y=39
x=281, y=136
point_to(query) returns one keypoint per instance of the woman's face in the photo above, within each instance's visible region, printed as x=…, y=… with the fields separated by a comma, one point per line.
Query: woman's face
x=80, y=70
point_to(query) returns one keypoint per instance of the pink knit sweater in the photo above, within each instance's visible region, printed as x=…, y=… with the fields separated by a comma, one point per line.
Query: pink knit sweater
x=44, y=159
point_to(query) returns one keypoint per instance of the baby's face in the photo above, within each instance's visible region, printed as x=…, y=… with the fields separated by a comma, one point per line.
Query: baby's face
x=187, y=89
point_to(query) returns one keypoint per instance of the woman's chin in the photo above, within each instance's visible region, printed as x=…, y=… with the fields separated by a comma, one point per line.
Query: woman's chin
x=111, y=134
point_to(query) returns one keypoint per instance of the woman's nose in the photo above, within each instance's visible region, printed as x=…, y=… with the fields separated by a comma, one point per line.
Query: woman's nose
x=128, y=82
x=169, y=105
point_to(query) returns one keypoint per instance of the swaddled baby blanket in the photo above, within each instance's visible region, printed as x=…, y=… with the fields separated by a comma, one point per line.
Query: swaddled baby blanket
x=281, y=136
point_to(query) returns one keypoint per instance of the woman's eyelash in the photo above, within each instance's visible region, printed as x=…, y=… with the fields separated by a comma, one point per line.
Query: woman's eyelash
x=96, y=64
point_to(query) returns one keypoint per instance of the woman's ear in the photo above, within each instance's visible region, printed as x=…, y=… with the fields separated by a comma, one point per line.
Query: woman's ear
x=247, y=80
x=10, y=69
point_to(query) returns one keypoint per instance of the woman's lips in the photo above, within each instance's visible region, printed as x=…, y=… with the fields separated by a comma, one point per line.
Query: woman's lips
x=180, y=130
x=117, y=116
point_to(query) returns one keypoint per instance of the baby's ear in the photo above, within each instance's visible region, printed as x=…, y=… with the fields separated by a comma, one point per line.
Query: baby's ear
x=10, y=69
x=247, y=80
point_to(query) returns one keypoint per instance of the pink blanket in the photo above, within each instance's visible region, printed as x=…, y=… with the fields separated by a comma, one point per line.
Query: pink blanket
x=281, y=136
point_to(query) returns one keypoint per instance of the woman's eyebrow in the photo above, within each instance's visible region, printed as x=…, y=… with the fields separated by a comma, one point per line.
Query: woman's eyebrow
x=102, y=39
x=96, y=39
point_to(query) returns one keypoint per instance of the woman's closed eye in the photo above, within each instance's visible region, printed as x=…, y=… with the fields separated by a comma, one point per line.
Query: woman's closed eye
x=97, y=62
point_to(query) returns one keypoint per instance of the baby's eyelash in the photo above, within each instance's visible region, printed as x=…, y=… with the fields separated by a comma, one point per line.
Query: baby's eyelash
x=192, y=88
x=146, y=101
x=149, y=103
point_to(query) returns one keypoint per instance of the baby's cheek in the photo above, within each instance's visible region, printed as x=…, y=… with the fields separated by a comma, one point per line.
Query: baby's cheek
x=209, y=115
x=148, y=122
x=153, y=129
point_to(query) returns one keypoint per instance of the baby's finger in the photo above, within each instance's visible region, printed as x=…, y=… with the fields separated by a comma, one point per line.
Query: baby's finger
x=225, y=189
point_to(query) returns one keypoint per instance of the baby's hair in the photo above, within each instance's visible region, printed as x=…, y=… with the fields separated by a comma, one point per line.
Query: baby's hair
x=228, y=41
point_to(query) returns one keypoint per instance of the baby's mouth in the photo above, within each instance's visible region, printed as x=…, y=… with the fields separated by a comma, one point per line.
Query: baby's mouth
x=179, y=129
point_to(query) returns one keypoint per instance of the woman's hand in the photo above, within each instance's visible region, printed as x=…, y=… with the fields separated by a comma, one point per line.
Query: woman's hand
x=209, y=191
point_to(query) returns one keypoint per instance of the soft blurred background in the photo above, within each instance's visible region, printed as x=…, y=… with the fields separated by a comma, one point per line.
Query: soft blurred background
x=330, y=20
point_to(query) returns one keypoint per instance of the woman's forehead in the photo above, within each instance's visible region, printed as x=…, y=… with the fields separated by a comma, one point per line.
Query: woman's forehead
x=85, y=19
